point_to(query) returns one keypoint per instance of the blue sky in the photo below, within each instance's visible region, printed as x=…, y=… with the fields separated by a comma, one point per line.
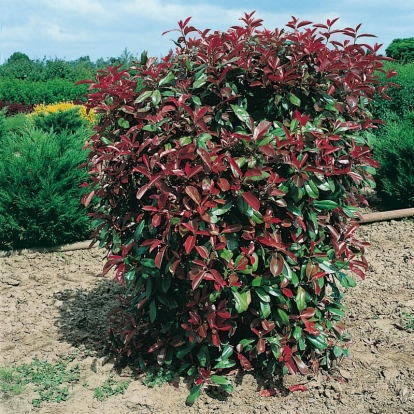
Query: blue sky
x=69, y=29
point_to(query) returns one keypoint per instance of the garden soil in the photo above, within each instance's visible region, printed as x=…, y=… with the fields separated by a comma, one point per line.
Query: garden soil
x=55, y=303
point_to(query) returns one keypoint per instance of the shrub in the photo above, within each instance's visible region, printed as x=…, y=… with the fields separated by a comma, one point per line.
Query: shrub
x=402, y=98
x=394, y=151
x=401, y=50
x=14, y=108
x=15, y=123
x=56, y=90
x=39, y=188
x=61, y=116
x=228, y=190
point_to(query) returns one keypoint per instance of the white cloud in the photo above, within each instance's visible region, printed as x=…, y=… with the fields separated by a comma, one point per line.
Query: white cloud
x=61, y=35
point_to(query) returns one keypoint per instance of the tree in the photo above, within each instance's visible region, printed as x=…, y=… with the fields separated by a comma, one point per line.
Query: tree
x=401, y=50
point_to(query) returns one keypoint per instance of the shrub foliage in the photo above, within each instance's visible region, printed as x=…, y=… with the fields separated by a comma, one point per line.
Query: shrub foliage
x=394, y=151
x=39, y=188
x=229, y=188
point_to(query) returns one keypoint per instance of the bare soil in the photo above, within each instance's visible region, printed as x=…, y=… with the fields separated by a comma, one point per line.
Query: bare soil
x=55, y=303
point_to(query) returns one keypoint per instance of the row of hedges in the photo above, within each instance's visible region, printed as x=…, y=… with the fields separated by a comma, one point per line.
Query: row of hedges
x=40, y=180
x=29, y=92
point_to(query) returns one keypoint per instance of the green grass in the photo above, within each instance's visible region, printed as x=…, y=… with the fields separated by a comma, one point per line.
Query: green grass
x=157, y=377
x=409, y=325
x=10, y=381
x=109, y=388
x=49, y=380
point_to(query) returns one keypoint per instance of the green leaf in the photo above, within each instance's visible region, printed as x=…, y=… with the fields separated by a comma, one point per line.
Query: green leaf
x=220, y=380
x=264, y=297
x=166, y=282
x=294, y=99
x=200, y=81
x=105, y=140
x=297, y=333
x=167, y=79
x=204, y=356
x=265, y=310
x=219, y=211
x=242, y=114
x=318, y=341
x=194, y=394
x=257, y=281
x=182, y=351
x=241, y=300
x=156, y=97
x=225, y=363
x=153, y=311
x=284, y=317
x=138, y=230
x=123, y=123
x=147, y=262
x=325, y=204
x=130, y=275
x=311, y=189
x=300, y=299
x=196, y=100
x=227, y=352
x=335, y=311
x=143, y=96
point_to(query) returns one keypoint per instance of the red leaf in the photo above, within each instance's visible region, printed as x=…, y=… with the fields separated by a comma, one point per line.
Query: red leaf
x=301, y=365
x=287, y=292
x=235, y=167
x=189, y=244
x=202, y=251
x=244, y=362
x=276, y=264
x=155, y=346
x=193, y=193
x=197, y=279
x=142, y=191
x=223, y=184
x=159, y=257
x=303, y=23
x=261, y=346
x=298, y=387
x=261, y=129
x=218, y=278
x=268, y=393
x=251, y=200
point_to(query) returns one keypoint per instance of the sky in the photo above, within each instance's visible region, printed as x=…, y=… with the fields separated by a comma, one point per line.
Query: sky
x=70, y=29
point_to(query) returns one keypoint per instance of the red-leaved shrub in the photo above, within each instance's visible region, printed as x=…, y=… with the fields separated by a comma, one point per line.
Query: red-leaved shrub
x=228, y=193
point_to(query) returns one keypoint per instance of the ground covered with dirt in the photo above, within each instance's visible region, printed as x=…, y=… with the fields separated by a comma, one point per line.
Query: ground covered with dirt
x=56, y=304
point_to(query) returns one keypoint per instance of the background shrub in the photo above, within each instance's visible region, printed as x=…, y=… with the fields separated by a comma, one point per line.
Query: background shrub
x=61, y=116
x=401, y=98
x=401, y=50
x=31, y=92
x=39, y=188
x=228, y=190
x=394, y=151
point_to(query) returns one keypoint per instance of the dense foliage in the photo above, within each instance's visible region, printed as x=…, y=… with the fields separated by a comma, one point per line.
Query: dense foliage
x=394, y=151
x=402, y=97
x=228, y=189
x=39, y=186
x=401, y=50
x=30, y=82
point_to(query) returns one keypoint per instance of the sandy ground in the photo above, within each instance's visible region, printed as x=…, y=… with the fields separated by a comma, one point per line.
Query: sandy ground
x=56, y=303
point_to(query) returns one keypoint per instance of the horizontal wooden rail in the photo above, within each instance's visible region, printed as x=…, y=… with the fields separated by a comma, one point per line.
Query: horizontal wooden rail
x=387, y=215
x=366, y=219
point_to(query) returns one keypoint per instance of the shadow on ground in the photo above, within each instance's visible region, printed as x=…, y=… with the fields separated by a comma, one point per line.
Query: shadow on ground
x=83, y=318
